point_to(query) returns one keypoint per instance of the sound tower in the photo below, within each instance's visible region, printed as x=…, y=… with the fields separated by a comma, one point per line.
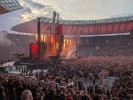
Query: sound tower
x=43, y=50
x=61, y=41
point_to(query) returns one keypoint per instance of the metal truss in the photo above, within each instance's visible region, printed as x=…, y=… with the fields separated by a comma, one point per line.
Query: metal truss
x=9, y=5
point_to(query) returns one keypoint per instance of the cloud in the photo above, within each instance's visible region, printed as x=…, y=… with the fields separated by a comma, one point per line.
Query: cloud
x=91, y=9
x=68, y=9
x=32, y=10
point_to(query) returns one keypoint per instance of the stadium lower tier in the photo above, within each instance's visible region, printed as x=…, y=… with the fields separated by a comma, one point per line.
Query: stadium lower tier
x=106, y=50
x=89, y=46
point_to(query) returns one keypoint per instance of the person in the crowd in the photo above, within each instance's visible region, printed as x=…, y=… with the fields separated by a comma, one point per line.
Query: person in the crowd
x=19, y=90
x=26, y=95
x=2, y=93
x=11, y=90
x=59, y=95
x=39, y=95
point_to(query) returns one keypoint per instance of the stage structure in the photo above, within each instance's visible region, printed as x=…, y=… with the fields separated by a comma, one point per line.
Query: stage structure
x=54, y=30
x=48, y=44
x=9, y=6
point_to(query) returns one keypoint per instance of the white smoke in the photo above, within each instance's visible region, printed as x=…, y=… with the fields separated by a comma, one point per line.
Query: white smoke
x=71, y=52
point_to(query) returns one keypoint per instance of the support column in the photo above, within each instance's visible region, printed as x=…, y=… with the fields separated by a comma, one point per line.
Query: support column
x=39, y=38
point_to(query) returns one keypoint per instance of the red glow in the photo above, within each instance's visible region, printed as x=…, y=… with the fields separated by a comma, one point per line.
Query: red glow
x=34, y=50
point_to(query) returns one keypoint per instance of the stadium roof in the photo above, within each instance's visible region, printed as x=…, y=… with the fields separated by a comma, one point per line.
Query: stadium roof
x=84, y=27
x=8, y=6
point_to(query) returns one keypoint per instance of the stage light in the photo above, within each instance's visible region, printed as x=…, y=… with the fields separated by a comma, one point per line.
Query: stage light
x=64, y=41
x=70, y=42
x=36, y=36
x=64, y=46
x=67, y=42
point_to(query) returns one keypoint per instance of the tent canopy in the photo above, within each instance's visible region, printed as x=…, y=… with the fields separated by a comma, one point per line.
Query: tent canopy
x=9, y=63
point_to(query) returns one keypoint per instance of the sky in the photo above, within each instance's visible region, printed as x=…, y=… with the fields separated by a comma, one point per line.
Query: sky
x=68, y=9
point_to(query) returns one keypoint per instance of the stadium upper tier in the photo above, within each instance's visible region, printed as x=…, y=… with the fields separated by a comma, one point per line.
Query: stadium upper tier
x=84, y=27
x=8, y=6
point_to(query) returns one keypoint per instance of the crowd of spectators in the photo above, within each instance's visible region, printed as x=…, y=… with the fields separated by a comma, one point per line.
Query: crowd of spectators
x=111, y=45
x=65, y=81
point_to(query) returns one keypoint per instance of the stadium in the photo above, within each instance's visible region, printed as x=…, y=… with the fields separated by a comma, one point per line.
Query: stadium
x=93, y=36
x=56, y=59
x=113, y=36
